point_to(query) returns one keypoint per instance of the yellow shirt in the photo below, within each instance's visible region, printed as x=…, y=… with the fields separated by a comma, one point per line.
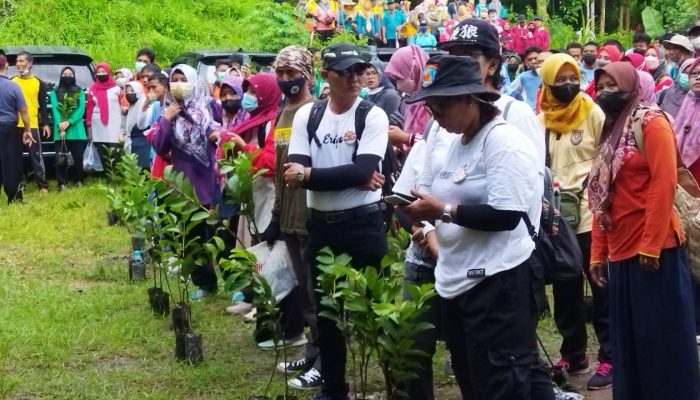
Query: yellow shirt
x=30, y=90
x=571, y=155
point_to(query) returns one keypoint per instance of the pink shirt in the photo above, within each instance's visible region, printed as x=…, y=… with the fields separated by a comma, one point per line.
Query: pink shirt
x=325, y=19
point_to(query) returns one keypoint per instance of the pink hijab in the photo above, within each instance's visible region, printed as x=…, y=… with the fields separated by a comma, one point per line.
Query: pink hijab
x=99, y=90
x=648, y=88
x=687, y=126
x=407, y=65
x=269, y=96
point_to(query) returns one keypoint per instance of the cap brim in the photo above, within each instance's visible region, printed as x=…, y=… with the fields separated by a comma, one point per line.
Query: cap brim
x=446, y=46
x=476, y=90
x=671, y=42
x=347, y=63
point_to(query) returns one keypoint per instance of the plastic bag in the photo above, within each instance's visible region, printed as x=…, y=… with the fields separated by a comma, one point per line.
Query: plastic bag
x=91, y=159
x=275, y=265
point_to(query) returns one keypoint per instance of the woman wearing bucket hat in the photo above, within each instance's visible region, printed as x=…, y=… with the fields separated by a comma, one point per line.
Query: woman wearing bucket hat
x=486, y=190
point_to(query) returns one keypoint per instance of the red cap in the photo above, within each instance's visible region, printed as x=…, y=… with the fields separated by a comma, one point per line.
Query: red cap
x=3, y=61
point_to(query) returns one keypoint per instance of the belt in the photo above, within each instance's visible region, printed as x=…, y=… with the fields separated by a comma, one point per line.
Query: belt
x=336, y=217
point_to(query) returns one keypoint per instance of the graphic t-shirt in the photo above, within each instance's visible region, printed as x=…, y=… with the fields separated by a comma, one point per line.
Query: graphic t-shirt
x=336, y=132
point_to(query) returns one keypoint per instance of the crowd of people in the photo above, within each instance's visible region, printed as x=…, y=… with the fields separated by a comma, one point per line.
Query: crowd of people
x=390, y=23
x=471, y=135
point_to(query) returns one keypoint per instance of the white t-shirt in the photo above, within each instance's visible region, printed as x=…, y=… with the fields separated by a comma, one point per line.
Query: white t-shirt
x=521, y=116
x=501, y=171
x=107, y=133
x=336, y=132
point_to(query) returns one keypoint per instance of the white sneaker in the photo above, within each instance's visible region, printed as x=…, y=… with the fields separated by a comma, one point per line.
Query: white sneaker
x=250, y=317
x=309, y=380
x=239, y=308
x=292, y=342
x=697, y=339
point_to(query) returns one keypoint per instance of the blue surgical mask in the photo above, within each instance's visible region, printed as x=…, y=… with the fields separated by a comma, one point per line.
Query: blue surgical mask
x=220, y=76
x=673, y=70
x=364, y=92
x=422, y=30
x=683, y=82
x=139, y=66
x=249, y=102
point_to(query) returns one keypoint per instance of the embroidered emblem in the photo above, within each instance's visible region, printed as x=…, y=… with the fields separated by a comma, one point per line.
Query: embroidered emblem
x=476, y=273
x=576, y=137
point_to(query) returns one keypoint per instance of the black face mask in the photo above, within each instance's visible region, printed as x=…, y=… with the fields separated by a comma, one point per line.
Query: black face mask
x=132, y=98
x=292, y=87
x=612, y=103
x=67, y=81
x=513, y=67
x=231, y=106
x=588, y=58
x=102, y=78
x=565, y=93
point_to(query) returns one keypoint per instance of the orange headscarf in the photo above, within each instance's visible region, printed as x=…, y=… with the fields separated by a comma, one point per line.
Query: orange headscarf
x=560, y=117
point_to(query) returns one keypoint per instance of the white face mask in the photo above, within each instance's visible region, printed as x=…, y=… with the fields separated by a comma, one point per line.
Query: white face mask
x=695, y=42
x=121, y=82
x=652, y=62
x=180, y=90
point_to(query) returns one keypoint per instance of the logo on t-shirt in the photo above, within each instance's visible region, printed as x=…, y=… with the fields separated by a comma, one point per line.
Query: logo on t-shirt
x=576, y=137
x=476, y=273
x=349, y=137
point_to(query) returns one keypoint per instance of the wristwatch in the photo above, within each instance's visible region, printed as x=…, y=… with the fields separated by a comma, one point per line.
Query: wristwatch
x=447, y=214
x=301, y=176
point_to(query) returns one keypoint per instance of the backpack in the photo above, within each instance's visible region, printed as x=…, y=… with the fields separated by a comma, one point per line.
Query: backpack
x=687, y=200
x=388, y=165
x=557, y=254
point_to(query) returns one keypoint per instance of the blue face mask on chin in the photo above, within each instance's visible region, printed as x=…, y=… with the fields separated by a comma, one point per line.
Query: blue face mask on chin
x=249, y=102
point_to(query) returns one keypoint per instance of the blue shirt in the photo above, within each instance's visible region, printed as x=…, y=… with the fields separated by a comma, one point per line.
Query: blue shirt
x=529, y=83
x=426, y=41
x=391, y=21
x=587, y=76
x=11, y=101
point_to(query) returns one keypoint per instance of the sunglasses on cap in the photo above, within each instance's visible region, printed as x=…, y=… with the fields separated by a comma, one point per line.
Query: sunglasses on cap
x=356, y=70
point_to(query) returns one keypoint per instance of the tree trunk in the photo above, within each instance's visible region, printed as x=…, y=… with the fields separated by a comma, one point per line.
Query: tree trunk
x=602, y=17
x=542, y=10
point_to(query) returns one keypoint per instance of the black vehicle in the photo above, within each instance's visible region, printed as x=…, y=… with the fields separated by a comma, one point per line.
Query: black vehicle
x=204, y=60
x=383, y=54
x=48, y=63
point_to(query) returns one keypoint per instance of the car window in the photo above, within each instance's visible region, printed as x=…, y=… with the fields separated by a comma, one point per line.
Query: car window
x=51, y=73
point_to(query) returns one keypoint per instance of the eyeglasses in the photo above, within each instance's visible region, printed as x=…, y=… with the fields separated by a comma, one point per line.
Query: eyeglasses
x=370, y=73
x=434, y=108
x=694, y=75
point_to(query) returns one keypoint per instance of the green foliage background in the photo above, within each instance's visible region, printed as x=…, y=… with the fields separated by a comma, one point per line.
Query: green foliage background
x=114, y=30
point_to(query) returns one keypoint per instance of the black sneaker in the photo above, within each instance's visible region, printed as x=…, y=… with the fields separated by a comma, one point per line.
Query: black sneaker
x=309, y=380
x=580, y=367
x=603, y=377
x=294, y=366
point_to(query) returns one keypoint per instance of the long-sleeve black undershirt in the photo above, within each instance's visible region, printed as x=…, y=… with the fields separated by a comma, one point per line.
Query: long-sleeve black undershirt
x=341, y=177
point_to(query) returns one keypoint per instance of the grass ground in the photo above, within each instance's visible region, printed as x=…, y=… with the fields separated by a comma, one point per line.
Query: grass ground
x=73, y=327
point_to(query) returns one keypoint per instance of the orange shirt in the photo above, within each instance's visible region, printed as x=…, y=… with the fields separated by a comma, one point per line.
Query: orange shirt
x=643, y=218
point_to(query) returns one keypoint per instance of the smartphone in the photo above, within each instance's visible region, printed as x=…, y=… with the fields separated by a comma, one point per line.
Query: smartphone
x=398, y=199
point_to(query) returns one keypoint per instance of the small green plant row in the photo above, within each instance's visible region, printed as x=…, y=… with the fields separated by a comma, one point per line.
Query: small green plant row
x=366, y=303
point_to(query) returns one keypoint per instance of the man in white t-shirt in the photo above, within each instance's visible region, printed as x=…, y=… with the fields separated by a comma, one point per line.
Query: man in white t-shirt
x=338, y=163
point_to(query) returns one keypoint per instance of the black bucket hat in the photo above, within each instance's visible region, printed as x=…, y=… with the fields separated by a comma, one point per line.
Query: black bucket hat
x=449, y=76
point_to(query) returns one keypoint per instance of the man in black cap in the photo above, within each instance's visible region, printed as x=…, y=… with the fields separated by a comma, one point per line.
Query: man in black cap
x=520, y=33
x=344, y=138
x=12, y=105
x=487, y=188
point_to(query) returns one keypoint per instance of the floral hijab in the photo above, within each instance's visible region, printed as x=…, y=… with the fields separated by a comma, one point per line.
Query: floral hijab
x=194, y=122
x=618, y=142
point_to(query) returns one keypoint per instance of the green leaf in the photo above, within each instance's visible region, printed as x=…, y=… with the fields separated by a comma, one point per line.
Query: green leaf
x=653, y=22
x=200, y=216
